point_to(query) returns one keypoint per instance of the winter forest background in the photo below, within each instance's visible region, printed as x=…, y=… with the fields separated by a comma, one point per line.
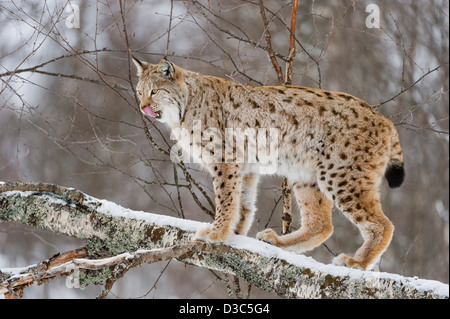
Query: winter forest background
x=69, y=116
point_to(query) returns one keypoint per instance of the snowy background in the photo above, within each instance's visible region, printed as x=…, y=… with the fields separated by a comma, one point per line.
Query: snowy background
x=74, y=120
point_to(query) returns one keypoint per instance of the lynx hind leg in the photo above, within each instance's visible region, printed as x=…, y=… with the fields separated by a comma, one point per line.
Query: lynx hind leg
x=247, y=208
x=316, y=225
x=360, y=203
x=227, y=182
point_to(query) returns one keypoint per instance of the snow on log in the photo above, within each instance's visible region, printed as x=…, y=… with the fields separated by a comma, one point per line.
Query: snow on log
x=110, y=230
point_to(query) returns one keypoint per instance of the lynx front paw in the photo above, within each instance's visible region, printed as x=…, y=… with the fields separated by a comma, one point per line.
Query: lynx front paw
x=345, y=260
x=209, y=235
x=268, y=235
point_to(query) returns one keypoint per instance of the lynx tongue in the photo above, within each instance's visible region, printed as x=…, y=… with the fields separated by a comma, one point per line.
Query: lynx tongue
x=149, y=111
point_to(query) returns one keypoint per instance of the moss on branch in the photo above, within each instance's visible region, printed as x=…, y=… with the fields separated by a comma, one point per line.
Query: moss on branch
x=69, y=212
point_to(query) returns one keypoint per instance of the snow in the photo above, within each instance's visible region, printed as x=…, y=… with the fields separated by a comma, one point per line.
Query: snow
x=246, y=243
x=113, y=209
x=18, y=193
x=270, y=251
x=16, y=271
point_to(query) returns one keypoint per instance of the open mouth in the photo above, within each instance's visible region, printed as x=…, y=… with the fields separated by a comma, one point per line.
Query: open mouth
x=148, y=110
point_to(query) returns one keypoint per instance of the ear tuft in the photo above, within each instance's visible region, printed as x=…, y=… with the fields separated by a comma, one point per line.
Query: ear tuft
x=166, y=68
x=141, y=66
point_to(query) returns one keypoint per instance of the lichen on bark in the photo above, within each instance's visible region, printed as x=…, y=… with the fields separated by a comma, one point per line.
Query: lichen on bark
x=69, y=212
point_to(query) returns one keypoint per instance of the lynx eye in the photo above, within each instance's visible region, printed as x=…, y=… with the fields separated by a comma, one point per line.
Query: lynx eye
x=154, y=91
x=140, y=93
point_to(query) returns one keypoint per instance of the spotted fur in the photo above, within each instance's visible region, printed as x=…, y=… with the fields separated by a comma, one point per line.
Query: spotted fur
x=333, y=147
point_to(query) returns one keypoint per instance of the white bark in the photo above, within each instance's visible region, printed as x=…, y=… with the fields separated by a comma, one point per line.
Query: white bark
x=110, y=230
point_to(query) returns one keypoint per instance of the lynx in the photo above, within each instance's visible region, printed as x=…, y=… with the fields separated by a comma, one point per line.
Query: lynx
x=333, y=147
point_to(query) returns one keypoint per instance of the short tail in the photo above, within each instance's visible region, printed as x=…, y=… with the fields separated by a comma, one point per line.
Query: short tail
x=395, y=172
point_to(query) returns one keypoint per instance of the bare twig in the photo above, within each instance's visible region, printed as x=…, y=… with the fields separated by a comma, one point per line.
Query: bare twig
x=291, y=44
x=247, y=40
x=168, y=31
x=44, y=271
x=410, y=86
x=273, y=59
x=67, y=263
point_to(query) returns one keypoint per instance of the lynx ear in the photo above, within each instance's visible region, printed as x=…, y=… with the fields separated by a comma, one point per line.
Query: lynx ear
x=141, y=66
x=167, y=69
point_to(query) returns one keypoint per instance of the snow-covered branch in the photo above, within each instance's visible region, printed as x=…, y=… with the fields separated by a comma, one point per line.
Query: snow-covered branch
x=118, y=239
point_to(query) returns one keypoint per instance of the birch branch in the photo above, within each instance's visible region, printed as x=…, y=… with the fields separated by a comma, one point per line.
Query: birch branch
x=273, y=59
x=119, y=237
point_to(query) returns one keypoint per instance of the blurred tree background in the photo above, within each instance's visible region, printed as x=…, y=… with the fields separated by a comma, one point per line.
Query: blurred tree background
x=69, y=116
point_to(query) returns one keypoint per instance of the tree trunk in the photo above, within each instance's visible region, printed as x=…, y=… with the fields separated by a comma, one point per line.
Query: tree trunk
x=110, y=230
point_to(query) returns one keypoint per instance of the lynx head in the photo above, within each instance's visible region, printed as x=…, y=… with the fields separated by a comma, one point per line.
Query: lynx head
x=162, y=90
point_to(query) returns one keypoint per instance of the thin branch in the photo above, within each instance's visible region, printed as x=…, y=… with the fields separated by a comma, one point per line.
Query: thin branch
x=168, y=32
x=225, y=52
x=34, y=68
x=276, y=201
x=48, y=269
x=201, y=7
x=71, y=261
x=290, y=61
x=409, y=86
x=76, y=77
x=273, y=59
x=316, y=61
x=180, y=203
